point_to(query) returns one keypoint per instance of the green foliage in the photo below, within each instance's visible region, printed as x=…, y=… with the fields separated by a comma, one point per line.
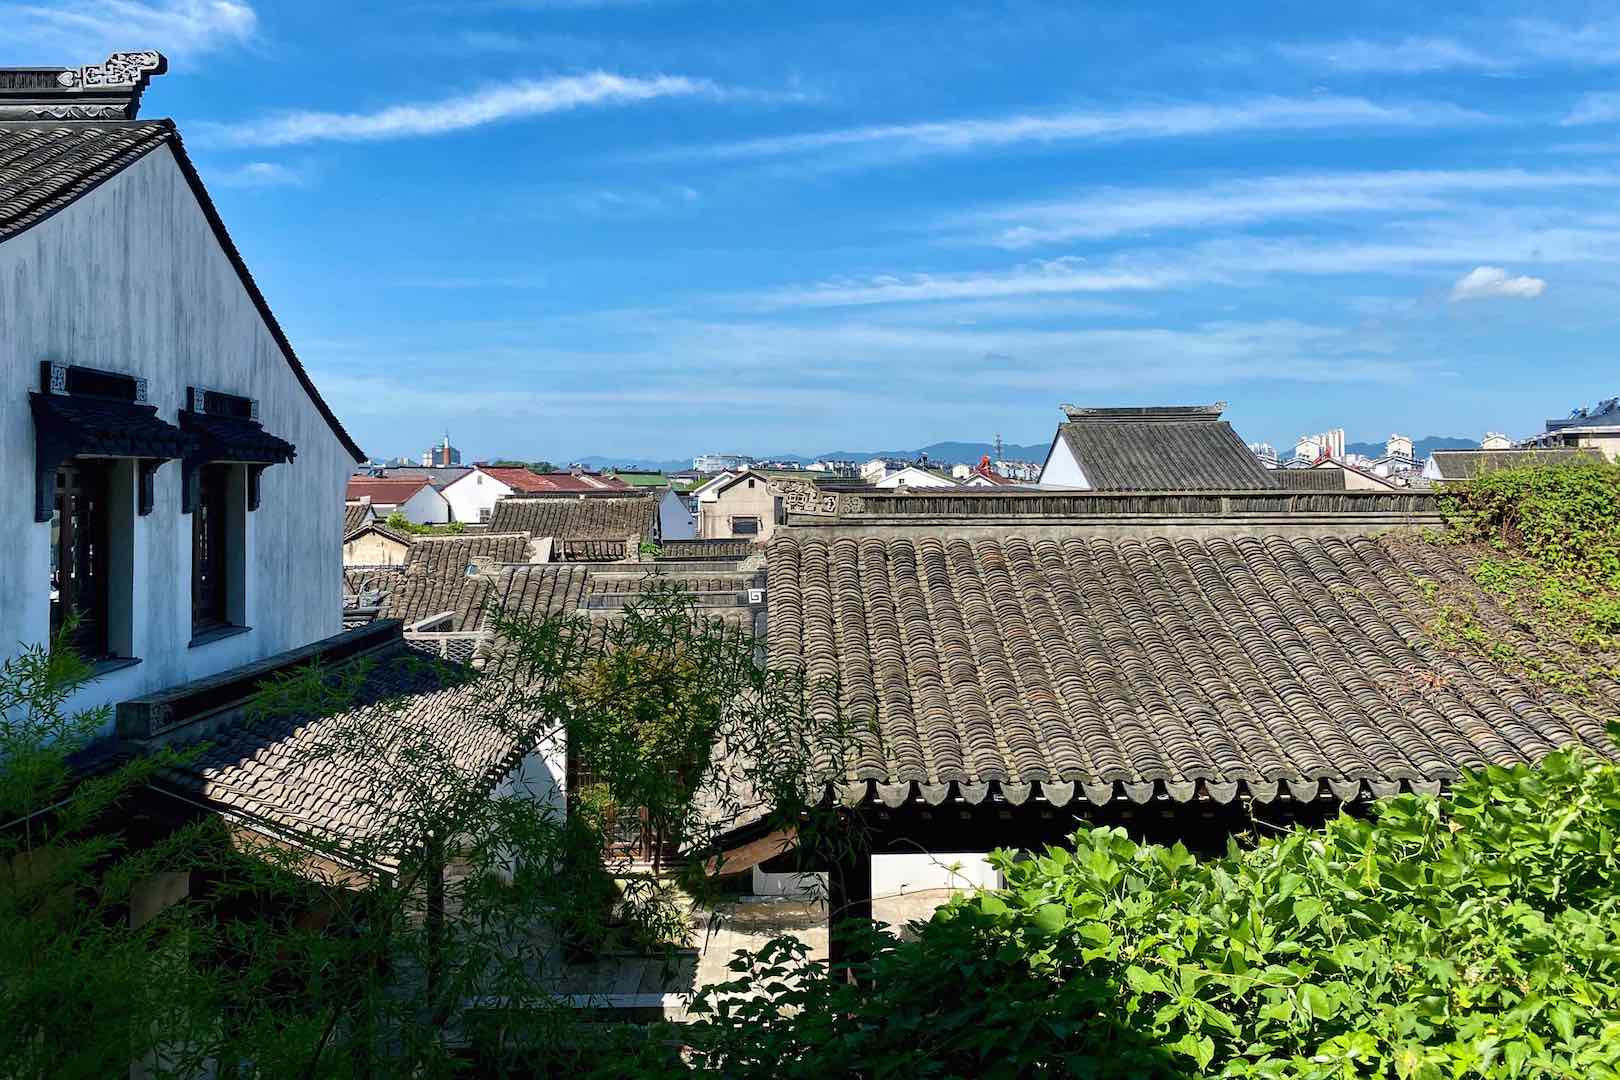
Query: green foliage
x=532, y=466
x=400, y=523
x=1553, y=540
x=292, y=956
x=1475, y=937
x=82, y=991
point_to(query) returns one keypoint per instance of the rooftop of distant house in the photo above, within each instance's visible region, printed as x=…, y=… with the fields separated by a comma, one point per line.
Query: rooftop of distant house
x=1159, y=448
x=386, y=491
x=533, y=483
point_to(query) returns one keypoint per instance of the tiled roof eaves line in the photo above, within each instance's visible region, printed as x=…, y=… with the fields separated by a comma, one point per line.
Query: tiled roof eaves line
x=1059, y=794
x=274, y=830
x=223, y=235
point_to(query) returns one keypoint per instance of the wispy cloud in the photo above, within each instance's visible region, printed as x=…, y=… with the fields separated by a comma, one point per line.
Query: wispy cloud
x=257, y=174
x=1043, y=278
x=85, y=31
x=1495, y=283
x=1500, y=47
x=1598, y=108
x=1113, y=212
x=523, y=99
x=1590, y=44
x=1406, y=56
x=1075, y=125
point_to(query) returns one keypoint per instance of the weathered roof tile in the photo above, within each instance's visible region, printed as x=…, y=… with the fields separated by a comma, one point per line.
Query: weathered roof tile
x=1184, y=665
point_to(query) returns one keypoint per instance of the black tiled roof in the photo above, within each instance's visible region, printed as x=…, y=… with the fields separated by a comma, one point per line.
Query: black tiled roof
x=1467, y=464
x=354, y=516
x=572, y=518
x=1326, y=479
x=1199, y=454
x=47, y=165
x=435, y=578
x=537, y=590
x=300, y=775
x=231, y=438
x=116, y=428
x=1152, y=666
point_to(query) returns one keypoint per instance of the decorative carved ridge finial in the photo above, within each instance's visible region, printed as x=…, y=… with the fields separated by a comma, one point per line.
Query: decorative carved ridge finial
x=110, y=90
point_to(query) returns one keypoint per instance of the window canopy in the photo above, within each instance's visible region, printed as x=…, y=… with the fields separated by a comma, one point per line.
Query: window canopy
x=84, y=412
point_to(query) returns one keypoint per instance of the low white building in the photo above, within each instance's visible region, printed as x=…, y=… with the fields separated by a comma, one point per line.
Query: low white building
x=914, y=476
x=173, y=471
x=413, y=496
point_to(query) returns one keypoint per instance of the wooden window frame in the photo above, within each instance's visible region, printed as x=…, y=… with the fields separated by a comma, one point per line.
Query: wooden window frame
x=211, y=549
x=81, y=531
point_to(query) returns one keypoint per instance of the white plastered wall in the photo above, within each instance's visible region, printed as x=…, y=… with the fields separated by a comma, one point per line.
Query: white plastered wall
x=131, y=278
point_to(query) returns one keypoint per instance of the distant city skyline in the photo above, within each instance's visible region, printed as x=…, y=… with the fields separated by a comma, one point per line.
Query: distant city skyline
x=674, y=226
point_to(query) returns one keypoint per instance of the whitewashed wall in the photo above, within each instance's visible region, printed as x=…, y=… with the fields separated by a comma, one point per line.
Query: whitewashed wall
x=1061, y=470
x=427, y=507
x=473, y=493
x=675, y=521
x=131, y=278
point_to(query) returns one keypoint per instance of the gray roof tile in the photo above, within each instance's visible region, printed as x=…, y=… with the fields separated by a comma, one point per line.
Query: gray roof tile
x=1179, y=448
x=1225, y=663
x=575, y=518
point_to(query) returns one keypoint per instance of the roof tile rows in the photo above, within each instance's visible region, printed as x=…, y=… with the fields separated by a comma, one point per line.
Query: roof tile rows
x=45, y=166
x=355, y=515
x=385, y=491
x=534, y=483
x=577, y=519
x=1143, y=666
x=435, y=577
x=1167, y=449
x=1467, y=464
x=314, y=778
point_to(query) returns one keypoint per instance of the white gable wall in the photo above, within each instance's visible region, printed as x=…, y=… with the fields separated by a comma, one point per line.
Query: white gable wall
x=427, y=507
x=913, y=477
x=474, y=493
x=675, y=521
x=131, y=278
x=1061, y=469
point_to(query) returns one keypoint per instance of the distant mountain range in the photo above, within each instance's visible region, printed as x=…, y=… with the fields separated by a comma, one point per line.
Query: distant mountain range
x=946, y=452
x=1421, y=448
x=951, y=452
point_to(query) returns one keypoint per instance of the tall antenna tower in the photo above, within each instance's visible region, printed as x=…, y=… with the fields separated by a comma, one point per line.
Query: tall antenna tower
x=999, y=455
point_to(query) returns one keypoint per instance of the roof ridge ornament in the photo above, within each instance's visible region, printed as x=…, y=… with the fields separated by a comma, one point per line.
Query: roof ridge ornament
x=1144, y=412
x=110, y=90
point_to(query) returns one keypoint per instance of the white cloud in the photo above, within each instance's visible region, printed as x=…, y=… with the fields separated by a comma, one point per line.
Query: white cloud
x=86, y=32
x=1593, y=44
x=257, y=174
x=1408, y=56
x=1603, y=108
x=1049, y=277
x=1493, y=282
x=1145, y=122
x=1509, y=46
x=1113, y=212
x=527, y=98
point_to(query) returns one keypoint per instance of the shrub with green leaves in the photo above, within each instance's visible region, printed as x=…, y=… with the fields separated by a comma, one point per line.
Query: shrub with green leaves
x=1476, y=936
x=1552, y=539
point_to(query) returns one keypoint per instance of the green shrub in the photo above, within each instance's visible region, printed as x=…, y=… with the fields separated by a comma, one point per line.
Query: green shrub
x=1554, y=538
x=1472, y=937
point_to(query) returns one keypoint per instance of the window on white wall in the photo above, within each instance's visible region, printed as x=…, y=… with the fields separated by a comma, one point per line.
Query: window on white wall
x=745, y=526
x=81, y=568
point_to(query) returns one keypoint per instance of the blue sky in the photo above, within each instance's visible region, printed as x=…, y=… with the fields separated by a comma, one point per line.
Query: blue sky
x=656, y=228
